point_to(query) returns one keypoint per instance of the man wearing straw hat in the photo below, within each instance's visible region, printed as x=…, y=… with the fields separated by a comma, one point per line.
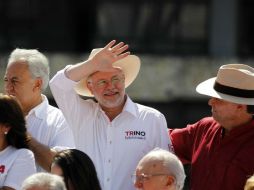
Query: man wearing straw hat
x=220, y=148
x=113, y=130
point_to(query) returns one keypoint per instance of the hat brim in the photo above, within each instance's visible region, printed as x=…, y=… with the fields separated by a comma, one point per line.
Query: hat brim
x=206, y=88
x=130, y=66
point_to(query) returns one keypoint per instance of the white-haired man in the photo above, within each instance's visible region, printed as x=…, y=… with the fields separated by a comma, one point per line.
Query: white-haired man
x=220, y=148
x=43, y=181
x=159, y=170
x=114, y=131
x=26, y=76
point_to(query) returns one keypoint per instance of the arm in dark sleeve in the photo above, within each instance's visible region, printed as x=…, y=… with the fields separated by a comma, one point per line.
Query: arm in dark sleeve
x=182, y=141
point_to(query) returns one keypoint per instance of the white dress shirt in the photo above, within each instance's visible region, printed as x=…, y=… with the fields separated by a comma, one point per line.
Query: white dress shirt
x=48, y=126
x=117, y=146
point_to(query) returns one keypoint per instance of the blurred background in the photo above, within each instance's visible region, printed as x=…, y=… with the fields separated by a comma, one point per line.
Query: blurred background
x=180, y=42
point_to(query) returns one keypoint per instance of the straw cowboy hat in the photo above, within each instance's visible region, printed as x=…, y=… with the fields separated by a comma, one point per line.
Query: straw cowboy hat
x=234, y=83
x=130, y=66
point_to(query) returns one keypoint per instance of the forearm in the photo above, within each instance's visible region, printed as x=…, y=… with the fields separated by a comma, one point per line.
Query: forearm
x=99, y=60
x=43, y=154
x=79, y=71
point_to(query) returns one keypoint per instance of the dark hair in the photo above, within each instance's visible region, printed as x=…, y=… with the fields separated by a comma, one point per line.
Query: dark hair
x=78, y=170
x=12, y=116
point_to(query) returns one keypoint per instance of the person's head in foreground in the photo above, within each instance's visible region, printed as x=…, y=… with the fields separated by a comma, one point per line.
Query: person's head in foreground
x=12, y=123
x=159, y=170
x=232, y=95
x=249, y=185
x=43, y=181
x=77, y=169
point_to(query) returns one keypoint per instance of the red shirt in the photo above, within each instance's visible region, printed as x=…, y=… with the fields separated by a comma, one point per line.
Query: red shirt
x=217, y=162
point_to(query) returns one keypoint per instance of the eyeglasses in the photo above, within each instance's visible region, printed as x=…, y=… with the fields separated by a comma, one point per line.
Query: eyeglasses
x=142, y=177
x=114, y=81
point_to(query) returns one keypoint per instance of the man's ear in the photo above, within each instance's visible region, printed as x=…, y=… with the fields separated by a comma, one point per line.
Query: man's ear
x=240, y=105
x=38, y=84
x=170, y=180
x=89, y=86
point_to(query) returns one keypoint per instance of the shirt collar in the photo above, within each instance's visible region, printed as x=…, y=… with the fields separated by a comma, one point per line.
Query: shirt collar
x=130, y=107
x=40, y=110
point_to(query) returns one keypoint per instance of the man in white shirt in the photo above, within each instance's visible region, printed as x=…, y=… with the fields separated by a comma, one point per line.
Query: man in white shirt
x=113, y=130
x=27, y=75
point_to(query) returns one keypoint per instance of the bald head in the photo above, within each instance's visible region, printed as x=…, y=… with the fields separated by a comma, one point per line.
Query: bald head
x=161, y=162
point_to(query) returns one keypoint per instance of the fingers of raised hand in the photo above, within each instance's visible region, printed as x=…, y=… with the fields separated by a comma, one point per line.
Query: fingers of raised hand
x=117, y=51
x=122, y=55
x=117, y=47
x=110, y=44
x=111, y=53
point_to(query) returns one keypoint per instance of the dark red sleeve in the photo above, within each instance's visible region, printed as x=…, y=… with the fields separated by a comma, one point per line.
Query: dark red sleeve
x=183, y=142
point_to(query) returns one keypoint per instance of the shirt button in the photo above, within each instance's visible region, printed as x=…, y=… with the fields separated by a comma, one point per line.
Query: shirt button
x=109, y=161
x=108, y=179
x=110, y=142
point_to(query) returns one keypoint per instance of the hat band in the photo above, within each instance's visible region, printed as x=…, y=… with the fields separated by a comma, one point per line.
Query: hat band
x=233, y=91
